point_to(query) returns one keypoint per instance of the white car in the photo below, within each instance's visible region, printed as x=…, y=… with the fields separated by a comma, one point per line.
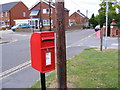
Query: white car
x=97, y=28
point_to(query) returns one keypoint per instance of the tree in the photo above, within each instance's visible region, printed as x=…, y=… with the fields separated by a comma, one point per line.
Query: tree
x=93, y=21
x=111, y=14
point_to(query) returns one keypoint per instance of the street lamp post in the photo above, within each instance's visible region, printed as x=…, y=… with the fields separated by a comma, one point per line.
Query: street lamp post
x=107, y=10
x=107, y=6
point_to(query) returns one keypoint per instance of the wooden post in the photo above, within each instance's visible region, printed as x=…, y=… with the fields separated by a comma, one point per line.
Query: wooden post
x=50, y=14
x=60, y=44
x=40, y=19
x=101, y=40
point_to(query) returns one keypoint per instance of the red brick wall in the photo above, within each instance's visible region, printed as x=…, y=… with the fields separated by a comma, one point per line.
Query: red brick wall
x=77, y=18
x=4, y=18
x=46, y=16
x=66, y=19
x=17, y=12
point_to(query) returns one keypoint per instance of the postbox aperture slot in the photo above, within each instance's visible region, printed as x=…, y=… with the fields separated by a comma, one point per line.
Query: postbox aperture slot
x=49, y=47
x=47, y=44
x=47, y=39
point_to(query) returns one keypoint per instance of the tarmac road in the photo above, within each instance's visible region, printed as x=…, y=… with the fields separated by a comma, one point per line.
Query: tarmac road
x=16, y=69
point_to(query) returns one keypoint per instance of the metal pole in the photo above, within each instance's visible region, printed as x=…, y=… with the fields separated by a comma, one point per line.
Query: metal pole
x=101, y=40
x=50, y=13
x=32, y=30
x=43, y=85
x=60, y=44
x=106, y=24
x=40, y=19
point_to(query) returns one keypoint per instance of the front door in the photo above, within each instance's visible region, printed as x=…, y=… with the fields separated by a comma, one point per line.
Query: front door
x=36, y=24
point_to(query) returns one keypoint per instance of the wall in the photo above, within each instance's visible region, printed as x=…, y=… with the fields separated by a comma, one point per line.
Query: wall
x=17, y=12
x=75, y=17
x=46, y=16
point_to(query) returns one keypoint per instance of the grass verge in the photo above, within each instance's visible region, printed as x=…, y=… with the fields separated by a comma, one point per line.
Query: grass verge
x=90, y=69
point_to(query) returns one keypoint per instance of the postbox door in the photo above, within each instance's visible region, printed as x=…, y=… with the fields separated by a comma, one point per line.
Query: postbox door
x=48, y=61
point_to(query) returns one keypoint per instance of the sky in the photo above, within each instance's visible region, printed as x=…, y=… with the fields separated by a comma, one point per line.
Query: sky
x=91, y=6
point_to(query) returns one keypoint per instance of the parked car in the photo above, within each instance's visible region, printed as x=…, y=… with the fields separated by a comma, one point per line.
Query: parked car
x=3, y=27
x=22, y=25
x=97, y=28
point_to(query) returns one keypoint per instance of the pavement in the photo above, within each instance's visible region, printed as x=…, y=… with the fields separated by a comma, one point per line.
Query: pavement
x=80, y=41
x=113, y=41
x=4, y=39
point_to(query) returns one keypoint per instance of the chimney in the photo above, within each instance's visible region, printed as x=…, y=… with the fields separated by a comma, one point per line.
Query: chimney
x=78, y=11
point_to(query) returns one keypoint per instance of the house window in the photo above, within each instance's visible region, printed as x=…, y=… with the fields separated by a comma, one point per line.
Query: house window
x=47, y=22
x=2, y=23
x=46, y=11
x=6, y=14
x=1, y=14
x=24, y=14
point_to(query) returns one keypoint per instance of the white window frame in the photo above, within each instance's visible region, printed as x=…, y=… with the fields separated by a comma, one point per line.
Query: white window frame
x=24, y=14
x=47, y=22
x=2, y=23
x=1, y=14
x=47, y=12
x=6, y=14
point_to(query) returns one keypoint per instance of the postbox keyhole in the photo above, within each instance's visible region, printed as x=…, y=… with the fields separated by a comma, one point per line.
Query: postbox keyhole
x=48, y=49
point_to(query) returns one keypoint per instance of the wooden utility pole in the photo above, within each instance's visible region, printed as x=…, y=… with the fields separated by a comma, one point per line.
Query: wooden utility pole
x=50, y=14
x=60, y=44
x=101, y=40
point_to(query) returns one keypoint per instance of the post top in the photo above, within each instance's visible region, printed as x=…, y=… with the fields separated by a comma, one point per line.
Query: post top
x=113, y=23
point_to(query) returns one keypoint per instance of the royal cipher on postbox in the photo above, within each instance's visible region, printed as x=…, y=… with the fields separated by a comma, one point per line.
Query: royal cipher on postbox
x=42, y=51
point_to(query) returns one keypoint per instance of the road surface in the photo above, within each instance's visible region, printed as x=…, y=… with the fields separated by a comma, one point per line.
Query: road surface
x=16, y=68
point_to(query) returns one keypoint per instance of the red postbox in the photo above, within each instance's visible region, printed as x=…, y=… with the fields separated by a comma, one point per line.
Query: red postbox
x=42, y=51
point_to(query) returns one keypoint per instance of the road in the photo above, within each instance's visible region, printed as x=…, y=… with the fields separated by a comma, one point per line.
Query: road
x=16, y=52
x=16, y=69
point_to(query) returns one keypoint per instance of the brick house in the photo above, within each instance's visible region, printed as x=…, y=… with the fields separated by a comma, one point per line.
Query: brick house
x=11, y=11
x=78, y=18
x=42, y=10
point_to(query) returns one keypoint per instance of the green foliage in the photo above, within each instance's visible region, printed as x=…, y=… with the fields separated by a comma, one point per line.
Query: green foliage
x=117, y=18
x=93, y=21
x=90, y=69
x=112, y=14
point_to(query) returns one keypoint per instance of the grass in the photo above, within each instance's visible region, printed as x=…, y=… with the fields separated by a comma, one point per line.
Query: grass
x=90, y=69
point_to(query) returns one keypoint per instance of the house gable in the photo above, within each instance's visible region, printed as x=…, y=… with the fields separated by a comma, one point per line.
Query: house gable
x=78, y=17
x=14, y=10
x=43, y=7
x=19, y=11
x=37, y=5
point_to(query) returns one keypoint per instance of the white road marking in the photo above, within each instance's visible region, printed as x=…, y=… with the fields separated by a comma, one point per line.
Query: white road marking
x=14, y=72
x=14, y=69
x=76, y=43
x=20, y=67
x=115, y=44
